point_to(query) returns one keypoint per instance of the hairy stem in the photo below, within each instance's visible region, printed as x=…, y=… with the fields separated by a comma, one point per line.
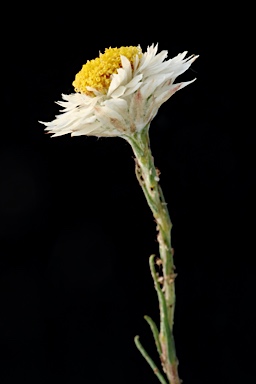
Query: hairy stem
x=148, y=178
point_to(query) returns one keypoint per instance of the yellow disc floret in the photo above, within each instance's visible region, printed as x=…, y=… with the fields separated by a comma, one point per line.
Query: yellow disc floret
x=97, y=73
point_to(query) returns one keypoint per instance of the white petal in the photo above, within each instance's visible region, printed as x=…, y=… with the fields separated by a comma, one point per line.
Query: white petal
x=118, y=92
x=119, y=105
x=59, y=133
x=121, y=78
x=136, y=107
x=89, y=129
x=134, y=81
x=150, y=85
x=117, y=79
x=174, y=88
x=136, y=62
x=111, y=118
x=126, y=64
x=129, y=91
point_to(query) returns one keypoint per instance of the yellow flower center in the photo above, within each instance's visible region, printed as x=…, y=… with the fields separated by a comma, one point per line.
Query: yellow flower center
x=97, y=73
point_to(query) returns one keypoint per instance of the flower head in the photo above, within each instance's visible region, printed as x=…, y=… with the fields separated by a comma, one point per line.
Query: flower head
x=119, y=92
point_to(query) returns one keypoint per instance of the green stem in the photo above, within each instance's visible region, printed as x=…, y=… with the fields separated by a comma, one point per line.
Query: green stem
x=166, y=338
x=155, y=333
x=148, y=178
x=149, y=360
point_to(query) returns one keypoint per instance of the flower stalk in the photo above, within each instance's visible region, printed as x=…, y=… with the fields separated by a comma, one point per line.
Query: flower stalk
x=117, y=95
x=148, y=178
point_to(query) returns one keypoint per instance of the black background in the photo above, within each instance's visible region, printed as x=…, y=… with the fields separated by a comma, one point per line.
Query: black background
x=75, y=230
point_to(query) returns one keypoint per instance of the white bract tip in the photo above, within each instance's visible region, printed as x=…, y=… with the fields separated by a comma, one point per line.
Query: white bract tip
x=136, y=92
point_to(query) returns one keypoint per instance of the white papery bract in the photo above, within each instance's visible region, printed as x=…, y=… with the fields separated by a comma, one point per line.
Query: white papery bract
x=137, y=88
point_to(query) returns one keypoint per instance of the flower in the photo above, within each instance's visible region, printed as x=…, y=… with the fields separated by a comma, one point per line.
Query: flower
x=120, y=92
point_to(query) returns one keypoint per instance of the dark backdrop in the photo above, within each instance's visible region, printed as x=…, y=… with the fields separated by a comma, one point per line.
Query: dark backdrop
x=75, y=230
